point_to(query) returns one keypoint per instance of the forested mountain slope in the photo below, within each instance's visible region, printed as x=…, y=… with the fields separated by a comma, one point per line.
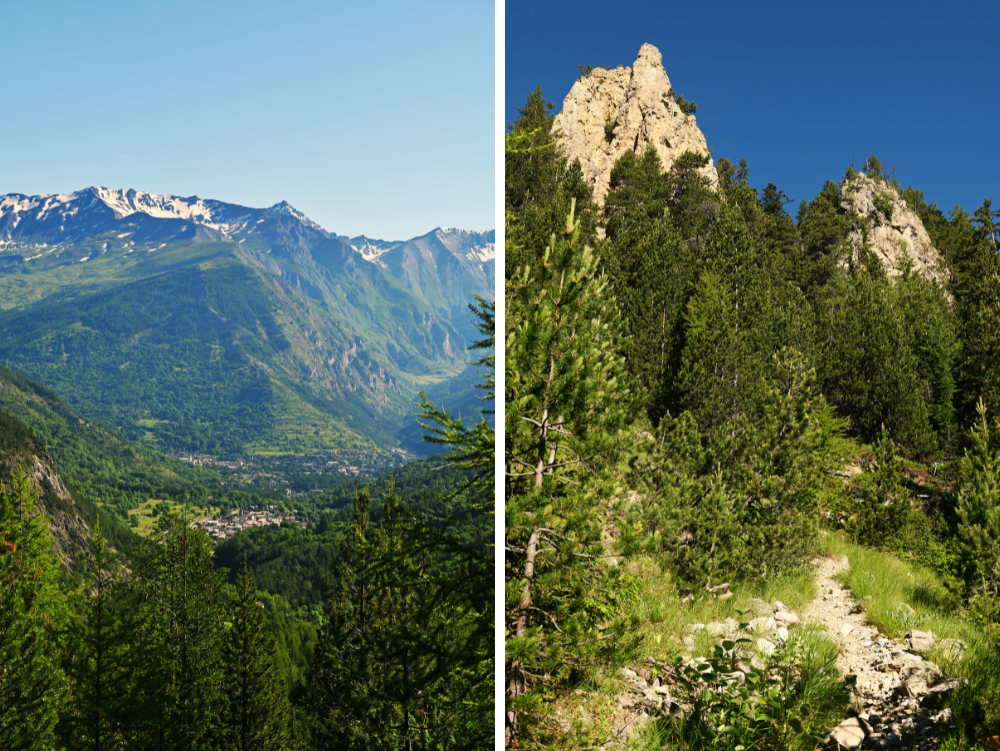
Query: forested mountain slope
x=24, y=457
x=700, y=390
x=199, y=325
x=93, y=460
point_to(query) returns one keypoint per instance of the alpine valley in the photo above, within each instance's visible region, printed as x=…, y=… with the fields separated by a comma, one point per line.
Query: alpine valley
x=195, y=325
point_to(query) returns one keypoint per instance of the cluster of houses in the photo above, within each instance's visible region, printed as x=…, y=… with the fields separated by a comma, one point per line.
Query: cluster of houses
x=232, y=522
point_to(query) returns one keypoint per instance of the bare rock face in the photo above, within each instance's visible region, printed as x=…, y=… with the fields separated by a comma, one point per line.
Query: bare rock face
x=636, y=100
x=893, y=230
x=69, y=529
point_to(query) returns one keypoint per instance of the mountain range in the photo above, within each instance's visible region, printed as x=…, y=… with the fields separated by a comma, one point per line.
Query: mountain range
x=195, y=324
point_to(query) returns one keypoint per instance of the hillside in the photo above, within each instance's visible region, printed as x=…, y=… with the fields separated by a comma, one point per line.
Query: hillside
x=198, y=325
x=91, y=458
x=69, y=522
x=752, y=460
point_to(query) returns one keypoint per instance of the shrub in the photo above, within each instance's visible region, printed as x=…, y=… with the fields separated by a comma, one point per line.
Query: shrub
x=883, y=502
x=609, y=127
x=786, y=701
x=884, y=203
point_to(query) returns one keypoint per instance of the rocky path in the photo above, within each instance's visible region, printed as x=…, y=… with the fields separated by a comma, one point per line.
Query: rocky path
x=899, y=694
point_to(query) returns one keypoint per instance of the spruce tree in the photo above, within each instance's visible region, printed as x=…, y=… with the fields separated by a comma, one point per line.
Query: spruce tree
x=178, y=606
x=99, y=648
x=978, y=312
x=254, y=713
x=651, y=273
x=539, y=185
x=346, y=673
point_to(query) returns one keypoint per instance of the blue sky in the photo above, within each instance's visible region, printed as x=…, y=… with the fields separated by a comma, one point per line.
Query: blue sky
x=371, y=117
x=798, y=89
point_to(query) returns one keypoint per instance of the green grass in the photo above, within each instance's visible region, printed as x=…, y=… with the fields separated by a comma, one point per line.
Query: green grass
x=898, y=596
x=147, y=522
x=820, y=696
x=666, y=618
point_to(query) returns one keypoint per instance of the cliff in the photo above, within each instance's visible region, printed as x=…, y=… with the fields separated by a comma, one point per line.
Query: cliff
x=894, y=233
x=636, y=100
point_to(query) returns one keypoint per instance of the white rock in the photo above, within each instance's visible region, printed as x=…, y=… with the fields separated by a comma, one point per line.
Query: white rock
x=762, y=624
x=890, y=237
x=848, y=734
x=920, y=642
x=636, y=100
x=846, y=629
x=715, y=628
x=765, y=647
x=782, y=633
x=785, y=618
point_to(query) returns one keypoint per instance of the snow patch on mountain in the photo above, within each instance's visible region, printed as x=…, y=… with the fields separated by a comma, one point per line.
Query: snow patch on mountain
x=371, y=249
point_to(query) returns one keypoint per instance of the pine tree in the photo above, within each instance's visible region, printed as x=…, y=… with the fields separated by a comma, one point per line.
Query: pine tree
x=254, y=714
x=32, y=685
x=884, y=500
x=870, y=372
x=651, y=273
x=539, y=185
x=99, y=653
x=978, y=312
x=978, y=506
x=566, y=410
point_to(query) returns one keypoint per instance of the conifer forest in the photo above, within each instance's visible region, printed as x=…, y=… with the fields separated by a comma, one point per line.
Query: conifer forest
x=374, y=631
x=752, y=449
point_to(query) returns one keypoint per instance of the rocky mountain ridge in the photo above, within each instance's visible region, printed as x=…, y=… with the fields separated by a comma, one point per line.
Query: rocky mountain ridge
x=637, y=102
x=341, y=333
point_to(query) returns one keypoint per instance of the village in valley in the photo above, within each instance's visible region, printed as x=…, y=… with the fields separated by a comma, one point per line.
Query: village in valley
x=300, y=474
x=233, y=521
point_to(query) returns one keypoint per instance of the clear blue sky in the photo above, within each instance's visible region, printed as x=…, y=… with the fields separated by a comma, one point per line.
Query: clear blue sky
x=797, y=88
x=373, y=117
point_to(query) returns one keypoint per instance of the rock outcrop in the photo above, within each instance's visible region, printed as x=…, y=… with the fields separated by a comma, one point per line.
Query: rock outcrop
x=67, y=523
x=636, y=100
x=892, y=230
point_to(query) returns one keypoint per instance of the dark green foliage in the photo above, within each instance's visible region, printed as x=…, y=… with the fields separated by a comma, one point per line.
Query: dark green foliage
x=883, y=202
x=693, y=205
x=978, y=311
x=883, y=502
x=539, y=186
x=978, y=507
x=400, y=653
x=740, y=315
x=744, y=503
x=294, y=563
x=181, y=618
x=32, y=685
x=609, y=128
x=870, y=365
x=255, y=712
x=823, y=227
x=567, y=408
x=688, y=108
x=651, y=272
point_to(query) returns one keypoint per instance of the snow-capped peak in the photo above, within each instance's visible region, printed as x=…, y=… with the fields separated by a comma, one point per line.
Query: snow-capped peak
x=286, y=208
